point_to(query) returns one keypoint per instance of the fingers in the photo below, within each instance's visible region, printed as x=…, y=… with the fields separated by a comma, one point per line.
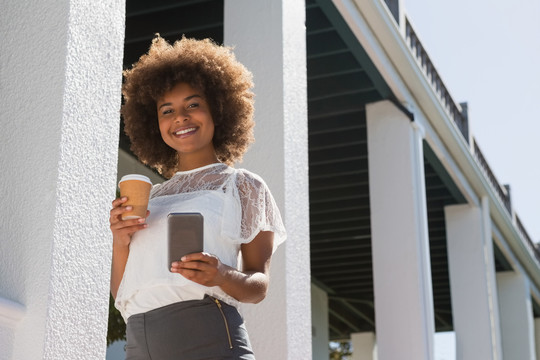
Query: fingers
x=205, y=278
x=131, y=223
x=124, y=229
x=117, y=209
x=202, y=268
x=201, y=256
x=119, y=201
x=196, y=261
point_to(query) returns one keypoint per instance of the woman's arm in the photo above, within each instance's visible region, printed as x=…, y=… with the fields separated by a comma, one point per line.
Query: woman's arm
x=122, y=231
x=119, y=260
x=249, y=285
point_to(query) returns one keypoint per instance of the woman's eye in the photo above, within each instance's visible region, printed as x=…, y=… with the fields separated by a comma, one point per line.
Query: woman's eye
x=194, y=105
x=167, y=111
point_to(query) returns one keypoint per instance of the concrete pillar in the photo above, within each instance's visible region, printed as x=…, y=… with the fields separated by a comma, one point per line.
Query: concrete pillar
x=319, y=320
x=537, y=337
x=270, y=39
x=517, y=327
x=472, y=283
x=60, y=79
x=363, y=345
x=401, y=264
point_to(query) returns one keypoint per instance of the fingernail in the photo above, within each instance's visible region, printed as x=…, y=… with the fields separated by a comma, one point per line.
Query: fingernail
x=129, y=207
x=183, y=258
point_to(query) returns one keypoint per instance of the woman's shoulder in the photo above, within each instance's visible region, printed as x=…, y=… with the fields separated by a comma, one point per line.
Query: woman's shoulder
x=155, y=187
x=245, y=177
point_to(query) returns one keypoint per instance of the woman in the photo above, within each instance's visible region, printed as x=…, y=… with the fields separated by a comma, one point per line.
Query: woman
x=189, y=114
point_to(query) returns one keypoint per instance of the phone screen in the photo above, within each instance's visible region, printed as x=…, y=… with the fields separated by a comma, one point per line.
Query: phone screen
x=185, y=235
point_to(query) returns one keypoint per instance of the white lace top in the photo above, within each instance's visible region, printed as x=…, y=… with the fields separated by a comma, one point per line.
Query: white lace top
x=236, y=205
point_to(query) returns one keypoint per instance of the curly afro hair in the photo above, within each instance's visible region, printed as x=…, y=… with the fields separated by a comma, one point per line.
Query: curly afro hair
x=204, y=65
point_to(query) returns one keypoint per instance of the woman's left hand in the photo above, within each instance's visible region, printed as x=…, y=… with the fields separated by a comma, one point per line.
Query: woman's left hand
x=248, y=285
x=202, y=268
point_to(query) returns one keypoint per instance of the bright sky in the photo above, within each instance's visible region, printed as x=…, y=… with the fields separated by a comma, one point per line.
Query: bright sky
x=488, y=54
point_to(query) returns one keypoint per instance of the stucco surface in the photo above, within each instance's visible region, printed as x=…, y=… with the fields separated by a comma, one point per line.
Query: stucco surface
x=60, y=84
x=517, y=320
x=29, y=154
x=395, y=152
x=274, y=50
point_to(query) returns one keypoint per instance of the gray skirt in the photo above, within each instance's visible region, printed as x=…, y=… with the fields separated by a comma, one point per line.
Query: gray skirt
x=206, y=329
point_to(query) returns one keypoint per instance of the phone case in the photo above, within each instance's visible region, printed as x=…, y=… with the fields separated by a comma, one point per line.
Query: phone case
x=185, y=235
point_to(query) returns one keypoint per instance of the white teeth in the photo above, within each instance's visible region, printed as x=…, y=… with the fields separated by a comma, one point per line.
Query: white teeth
x=185, y=131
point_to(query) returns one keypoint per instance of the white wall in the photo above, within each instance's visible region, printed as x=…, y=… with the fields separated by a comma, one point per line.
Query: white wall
x=269, y=38
x=319, y=323
x=537, y=337
x=364, y=346
x=472, y=282
x=399, y=236
x=516, y=316
x=60, y=83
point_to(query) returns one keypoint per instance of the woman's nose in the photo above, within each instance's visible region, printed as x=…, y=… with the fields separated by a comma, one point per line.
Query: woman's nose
x=181, y=118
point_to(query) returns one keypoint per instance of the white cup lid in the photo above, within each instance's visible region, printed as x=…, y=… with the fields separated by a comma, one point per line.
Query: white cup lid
x=135, y=177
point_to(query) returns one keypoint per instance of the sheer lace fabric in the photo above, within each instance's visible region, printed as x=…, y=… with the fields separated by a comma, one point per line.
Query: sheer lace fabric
x=236, y=205
x=247, y=191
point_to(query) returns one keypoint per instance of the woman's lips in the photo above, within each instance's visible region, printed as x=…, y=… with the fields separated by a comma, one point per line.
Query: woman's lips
x=187, y=131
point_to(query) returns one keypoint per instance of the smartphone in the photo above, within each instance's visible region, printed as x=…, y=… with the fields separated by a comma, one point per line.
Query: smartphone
x=185, y=235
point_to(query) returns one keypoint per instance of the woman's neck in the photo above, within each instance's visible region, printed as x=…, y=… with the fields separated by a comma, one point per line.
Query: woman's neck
x=188, y=162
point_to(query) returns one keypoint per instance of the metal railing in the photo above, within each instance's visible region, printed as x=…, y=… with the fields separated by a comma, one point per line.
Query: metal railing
x=501, y=191
x=525, y=235
x=503, y=194
x=435, y=80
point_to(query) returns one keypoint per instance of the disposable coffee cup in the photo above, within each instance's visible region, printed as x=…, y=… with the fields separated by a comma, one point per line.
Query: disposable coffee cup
x=137, y=190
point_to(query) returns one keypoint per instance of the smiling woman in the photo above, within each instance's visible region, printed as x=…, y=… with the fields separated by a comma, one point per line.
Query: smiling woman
x=189, y=113
x=213, y=72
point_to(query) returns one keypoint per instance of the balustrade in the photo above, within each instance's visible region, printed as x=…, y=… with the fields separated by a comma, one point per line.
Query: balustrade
x=433, y=77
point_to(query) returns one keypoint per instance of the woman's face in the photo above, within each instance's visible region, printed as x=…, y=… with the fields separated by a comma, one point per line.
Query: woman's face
x=185, y=121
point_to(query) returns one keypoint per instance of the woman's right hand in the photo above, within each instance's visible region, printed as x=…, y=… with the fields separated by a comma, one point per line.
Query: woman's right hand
x=123, y=230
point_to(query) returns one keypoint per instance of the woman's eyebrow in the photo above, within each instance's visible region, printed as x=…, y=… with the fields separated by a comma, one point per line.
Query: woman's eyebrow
x=192, y=96
x=166, y=104
x=185, y=99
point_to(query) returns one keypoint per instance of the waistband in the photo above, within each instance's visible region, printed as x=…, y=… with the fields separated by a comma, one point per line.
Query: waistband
x=179, y=306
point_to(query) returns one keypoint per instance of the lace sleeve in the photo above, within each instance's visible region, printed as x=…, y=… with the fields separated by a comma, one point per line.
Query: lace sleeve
x=259, y=211
x=154, y=190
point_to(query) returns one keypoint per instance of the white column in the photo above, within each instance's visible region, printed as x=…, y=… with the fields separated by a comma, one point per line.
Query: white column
x=269, y=38
x=60, y=78
x=537, y=337
x=517, y=328
x=319, y=316
x=363, y=345
x=401, y=264
x=472, y=283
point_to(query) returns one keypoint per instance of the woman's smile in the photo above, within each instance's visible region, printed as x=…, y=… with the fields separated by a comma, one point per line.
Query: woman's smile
x=186, y=124
x=185, y=131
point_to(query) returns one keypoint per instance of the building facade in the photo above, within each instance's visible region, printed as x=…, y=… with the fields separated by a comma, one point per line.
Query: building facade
x=397, y=228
